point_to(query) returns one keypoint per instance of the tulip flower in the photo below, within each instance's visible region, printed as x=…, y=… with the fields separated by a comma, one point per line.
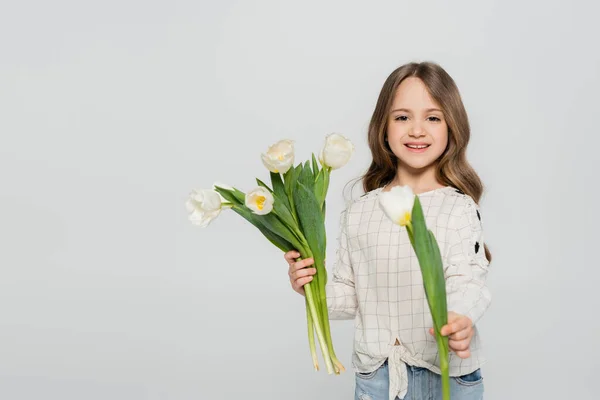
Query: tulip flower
x=260, y=201
x=279, y=157
x=336, y=152
x=203, y=206
x=397, y=204
x=404, y=208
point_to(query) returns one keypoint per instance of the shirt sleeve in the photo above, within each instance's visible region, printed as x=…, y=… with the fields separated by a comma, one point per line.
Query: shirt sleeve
x=340, y=290
x=466, y=265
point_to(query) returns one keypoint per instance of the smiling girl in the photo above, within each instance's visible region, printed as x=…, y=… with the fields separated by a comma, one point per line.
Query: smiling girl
x=418, y=136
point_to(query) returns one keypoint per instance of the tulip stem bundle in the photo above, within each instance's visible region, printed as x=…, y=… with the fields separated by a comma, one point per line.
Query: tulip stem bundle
x=404, y=209
x=291, y=215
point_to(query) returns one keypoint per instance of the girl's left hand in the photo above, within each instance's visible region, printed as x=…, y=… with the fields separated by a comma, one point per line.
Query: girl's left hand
x=459, y=331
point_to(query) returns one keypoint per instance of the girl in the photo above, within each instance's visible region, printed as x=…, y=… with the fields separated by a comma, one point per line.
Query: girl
x=418, y=137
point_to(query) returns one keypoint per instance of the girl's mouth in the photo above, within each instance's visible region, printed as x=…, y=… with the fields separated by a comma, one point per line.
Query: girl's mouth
x=417, y=147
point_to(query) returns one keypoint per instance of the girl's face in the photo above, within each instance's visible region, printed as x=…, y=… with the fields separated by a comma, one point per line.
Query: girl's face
x=417, y=131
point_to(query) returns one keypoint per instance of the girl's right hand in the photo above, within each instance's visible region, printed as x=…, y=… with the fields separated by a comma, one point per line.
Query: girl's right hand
x=298, y=273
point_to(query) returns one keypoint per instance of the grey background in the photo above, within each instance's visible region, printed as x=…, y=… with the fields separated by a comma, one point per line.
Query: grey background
x=112, y=111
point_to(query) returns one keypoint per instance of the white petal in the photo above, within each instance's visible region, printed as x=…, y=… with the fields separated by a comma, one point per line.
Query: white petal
x=268, y=163
x=212, y=200
x=279, y=157
x=337, y=151
x=397, y=202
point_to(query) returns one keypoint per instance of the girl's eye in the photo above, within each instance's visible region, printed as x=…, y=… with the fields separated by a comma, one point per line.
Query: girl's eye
x=401, y=118
x=436, y=119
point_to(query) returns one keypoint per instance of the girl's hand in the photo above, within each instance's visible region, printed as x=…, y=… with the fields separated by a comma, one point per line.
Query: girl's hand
x=298, y=273
x=459, y=331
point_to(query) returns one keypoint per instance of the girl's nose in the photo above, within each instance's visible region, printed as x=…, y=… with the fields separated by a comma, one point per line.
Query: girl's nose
x=416, y=131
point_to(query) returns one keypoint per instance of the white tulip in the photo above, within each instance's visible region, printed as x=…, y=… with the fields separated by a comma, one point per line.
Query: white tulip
x=397, y=204
x=279, y=157
x=203, y=206
x=260, y=201
x=337, y=151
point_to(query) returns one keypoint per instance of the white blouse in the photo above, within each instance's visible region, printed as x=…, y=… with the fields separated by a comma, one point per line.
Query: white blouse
x=377, y=282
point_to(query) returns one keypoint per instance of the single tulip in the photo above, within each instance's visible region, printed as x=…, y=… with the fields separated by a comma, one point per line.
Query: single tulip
x=336, y=152
x=203, y=206
x=260, y=201
x=397, y=204
x=279, y=157
x=404, y=208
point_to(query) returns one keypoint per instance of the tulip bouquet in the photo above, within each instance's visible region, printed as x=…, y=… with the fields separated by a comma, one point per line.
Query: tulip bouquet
x=404, y=208
x=291, y=215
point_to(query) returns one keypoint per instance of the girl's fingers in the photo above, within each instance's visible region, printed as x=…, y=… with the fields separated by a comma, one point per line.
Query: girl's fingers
x=453, y=327
x=463, y=354
x=291, y=256
x=304, y=272
x=298, y=272
x=461, y=335
x=301, y=282
x=302, y=264
x=298, y=266
x=459, y=345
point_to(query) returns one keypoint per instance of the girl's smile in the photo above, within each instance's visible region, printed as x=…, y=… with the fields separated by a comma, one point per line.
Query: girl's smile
x=417, y=147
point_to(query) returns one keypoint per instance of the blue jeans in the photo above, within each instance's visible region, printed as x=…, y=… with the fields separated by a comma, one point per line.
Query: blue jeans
x=422, y=385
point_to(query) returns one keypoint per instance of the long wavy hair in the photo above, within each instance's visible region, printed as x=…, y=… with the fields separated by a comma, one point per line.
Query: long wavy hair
x=452, y=167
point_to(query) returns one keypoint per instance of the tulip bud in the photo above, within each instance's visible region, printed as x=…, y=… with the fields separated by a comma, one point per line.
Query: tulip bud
x=397, y=204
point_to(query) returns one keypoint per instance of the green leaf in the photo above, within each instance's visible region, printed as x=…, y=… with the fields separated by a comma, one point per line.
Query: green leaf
x=315, y=166
x=327, y=172
x=432, y=270
x=291, y=178
x=228, y=195
x=431, y=265
x=275, y=225
x=312, y=224
x=287, y=179
x=277, y=182
x=261, y=183
x=270, y=222
x=439, y=296
x=281, y=211
x=238, y=195
x=279, y=190
x=234, y=196
x=277, y=240
x=280, y=205
x=319, y=188
x=306, y=176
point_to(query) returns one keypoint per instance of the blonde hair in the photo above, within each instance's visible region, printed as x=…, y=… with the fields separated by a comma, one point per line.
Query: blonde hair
x=453, y=169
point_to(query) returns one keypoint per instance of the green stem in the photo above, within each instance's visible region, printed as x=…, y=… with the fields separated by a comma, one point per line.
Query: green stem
x=409, y=229
x=315, y=317
x=326, y=327
x=442, y=344
x=316, y=295
x=311, y=336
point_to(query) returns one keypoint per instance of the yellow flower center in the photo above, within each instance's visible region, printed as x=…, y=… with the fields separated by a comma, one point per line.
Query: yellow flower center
x=405, y=219
x=280, y=157
x=260, y=202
